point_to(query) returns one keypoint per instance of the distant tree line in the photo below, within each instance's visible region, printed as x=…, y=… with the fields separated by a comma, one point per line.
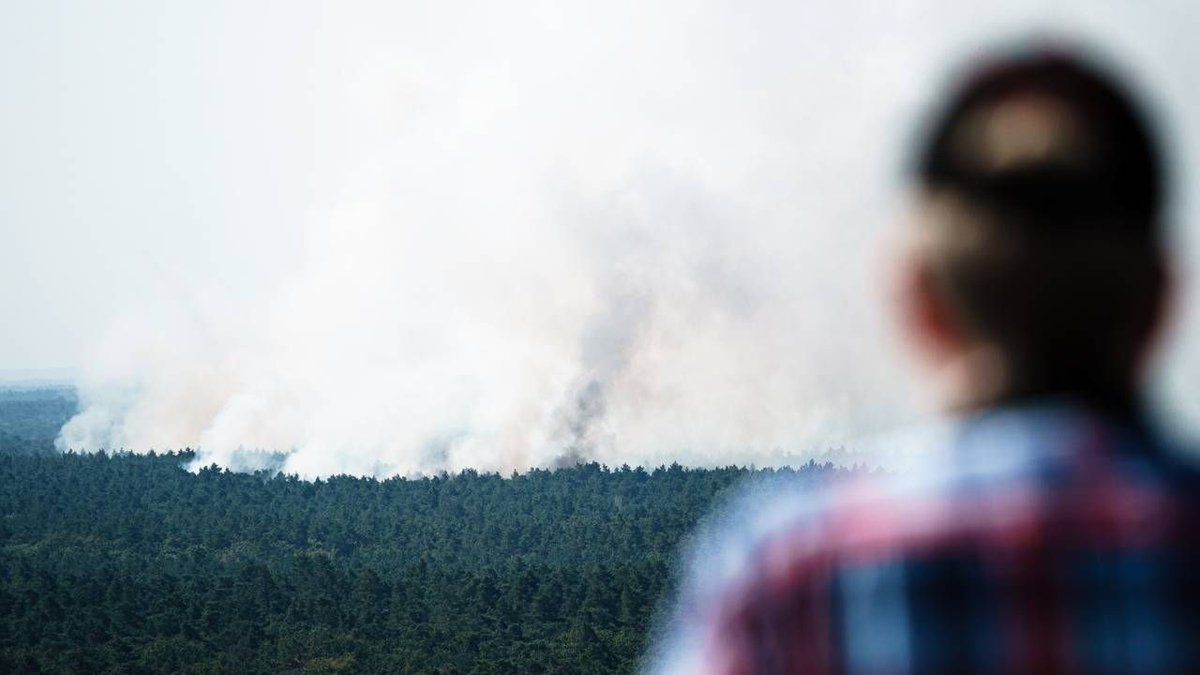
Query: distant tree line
x=30, y=417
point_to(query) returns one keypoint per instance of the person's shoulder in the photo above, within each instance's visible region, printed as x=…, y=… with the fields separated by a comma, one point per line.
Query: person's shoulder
x=1002, y=479
x=955, y=483
x=726, y=551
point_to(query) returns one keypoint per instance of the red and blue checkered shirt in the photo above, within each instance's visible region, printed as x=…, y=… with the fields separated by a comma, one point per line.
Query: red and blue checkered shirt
x=1049, y=539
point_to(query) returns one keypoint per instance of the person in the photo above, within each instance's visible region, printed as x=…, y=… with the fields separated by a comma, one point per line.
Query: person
x=1057, y=530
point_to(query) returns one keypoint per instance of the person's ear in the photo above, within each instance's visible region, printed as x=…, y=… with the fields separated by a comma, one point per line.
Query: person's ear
x=1161, y=314
x=925, y=315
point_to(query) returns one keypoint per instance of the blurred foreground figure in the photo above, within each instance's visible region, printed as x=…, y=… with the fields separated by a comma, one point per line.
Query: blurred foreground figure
x=1054, y=532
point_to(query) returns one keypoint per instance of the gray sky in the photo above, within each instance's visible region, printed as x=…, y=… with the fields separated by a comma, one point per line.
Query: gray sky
x=148, y=149
x=218, y=212
x=175, y=148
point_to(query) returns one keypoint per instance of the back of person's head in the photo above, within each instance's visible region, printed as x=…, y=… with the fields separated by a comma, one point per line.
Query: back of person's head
x=1040, y=224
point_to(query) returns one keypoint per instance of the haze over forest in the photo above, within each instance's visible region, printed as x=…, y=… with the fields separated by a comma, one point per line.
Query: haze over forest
x=407, y=237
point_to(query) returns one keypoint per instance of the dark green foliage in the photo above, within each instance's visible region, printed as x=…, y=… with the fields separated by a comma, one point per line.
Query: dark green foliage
x=30, y=417
x=129, y=563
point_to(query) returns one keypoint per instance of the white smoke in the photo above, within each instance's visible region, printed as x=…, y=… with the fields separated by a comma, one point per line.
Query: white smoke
x=605, y=231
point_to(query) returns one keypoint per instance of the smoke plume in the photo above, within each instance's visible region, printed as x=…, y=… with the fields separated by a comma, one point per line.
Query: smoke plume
x=552, y=233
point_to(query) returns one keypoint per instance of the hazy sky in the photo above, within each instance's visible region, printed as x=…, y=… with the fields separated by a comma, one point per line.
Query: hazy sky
x=156, y=148
x=148, y=149
x=301, y=195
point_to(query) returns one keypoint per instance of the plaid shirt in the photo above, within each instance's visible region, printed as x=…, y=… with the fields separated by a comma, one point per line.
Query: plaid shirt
x=1048, y=540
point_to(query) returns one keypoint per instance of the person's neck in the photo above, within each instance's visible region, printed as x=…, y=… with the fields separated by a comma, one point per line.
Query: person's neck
x=982, y=380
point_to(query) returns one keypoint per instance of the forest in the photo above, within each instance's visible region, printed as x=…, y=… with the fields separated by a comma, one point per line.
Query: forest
x=119, y=562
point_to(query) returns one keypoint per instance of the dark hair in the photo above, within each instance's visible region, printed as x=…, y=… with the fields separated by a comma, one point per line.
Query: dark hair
x=1049, y=192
